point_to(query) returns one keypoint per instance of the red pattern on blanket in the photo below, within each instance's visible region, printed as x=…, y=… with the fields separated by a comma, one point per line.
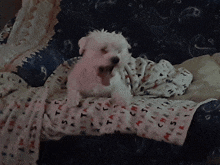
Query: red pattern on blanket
x=31, y=114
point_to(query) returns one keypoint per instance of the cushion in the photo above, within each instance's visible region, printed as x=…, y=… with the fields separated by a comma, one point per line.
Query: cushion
x=206, y=78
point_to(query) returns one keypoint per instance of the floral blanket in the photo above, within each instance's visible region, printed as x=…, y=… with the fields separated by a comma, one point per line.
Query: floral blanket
x=29, y=115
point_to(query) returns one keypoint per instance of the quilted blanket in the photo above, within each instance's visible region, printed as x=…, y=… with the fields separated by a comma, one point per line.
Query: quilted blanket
x=29, y=115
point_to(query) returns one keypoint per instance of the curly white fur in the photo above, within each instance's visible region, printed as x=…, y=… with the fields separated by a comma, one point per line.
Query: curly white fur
x=97, y=73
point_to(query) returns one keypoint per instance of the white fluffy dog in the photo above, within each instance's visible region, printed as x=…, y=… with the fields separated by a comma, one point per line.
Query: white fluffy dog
x=97, y=73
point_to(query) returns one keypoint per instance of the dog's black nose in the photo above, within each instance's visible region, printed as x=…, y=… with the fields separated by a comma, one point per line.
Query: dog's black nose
x=114, y=60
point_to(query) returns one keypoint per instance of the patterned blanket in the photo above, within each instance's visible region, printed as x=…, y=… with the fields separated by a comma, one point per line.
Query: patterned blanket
x=29, y=115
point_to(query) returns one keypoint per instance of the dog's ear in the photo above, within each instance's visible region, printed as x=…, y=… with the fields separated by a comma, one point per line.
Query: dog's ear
x=82, y=44
x=129, y=46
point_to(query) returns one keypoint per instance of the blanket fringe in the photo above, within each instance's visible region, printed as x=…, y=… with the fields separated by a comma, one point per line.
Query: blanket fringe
x=32, y=30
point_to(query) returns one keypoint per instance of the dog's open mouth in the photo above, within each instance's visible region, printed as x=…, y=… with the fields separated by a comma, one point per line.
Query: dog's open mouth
x=105, y=72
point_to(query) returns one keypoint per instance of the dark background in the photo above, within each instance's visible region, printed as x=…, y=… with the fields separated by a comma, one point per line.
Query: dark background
x=175, y=30
x=8, y=9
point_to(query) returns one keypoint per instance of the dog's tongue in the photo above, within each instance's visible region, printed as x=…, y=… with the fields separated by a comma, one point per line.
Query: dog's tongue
x=106, y=79
x=105, y=73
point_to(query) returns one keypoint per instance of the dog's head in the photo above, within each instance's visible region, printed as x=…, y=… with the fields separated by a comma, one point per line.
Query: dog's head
x=111, y=48
x=104, y=52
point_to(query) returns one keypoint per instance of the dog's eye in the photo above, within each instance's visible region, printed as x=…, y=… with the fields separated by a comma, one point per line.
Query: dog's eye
x=101, y=69
x=104, y=50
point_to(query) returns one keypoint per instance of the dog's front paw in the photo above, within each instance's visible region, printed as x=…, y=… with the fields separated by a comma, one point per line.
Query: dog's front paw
x=73, y=103
x=121, y=101
x=74, y=99
x=121, y=95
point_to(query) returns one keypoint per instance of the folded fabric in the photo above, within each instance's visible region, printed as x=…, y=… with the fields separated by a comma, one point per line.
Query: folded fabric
x=30, y=114
x=205, y=84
